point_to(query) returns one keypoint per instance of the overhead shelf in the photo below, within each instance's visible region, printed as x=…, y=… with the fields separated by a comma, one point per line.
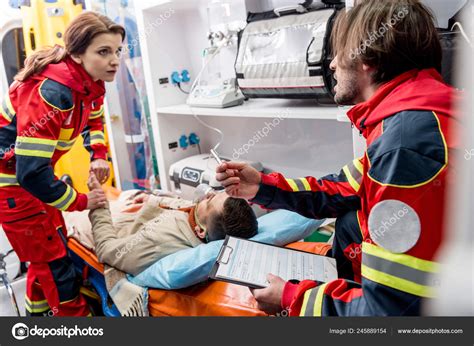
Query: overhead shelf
x=264, y=108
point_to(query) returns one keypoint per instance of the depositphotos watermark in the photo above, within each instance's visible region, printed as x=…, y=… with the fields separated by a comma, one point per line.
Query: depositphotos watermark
x=21, y=331
x=139, y=236
x=283, y=313
x=382, y=30
x=378, y=233
x=149, y=29
x=469, y=154
x=31, y=131
x=387, y=224
x=262, y=133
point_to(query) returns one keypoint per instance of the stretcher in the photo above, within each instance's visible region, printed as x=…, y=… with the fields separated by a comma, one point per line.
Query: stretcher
x=206, y=299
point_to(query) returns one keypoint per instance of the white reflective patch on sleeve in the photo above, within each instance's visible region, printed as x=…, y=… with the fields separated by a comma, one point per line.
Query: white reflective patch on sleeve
x=394, y=225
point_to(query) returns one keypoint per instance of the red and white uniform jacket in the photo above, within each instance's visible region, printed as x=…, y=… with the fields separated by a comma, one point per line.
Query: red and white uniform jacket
x=40, y=120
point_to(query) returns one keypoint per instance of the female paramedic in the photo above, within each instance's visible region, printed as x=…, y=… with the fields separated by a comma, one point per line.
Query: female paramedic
x=55, y=98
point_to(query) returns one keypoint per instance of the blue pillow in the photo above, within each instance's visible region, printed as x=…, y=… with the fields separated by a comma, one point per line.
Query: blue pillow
x=191, y=266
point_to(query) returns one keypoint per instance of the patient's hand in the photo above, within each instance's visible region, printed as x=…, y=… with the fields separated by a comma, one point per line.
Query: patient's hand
x=139, y=198
x=96, y=197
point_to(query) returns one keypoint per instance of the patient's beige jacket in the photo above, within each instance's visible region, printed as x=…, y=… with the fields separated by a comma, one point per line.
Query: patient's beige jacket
x=137, y=240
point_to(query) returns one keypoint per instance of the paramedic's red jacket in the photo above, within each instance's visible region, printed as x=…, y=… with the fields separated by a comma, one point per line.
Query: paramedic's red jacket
x=40, y=120
x=398, y=190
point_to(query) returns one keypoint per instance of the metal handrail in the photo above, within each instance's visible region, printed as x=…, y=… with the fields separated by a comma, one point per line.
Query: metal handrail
x=6, y=282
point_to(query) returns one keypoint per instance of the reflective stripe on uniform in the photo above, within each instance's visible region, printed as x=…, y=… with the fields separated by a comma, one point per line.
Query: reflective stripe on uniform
x=66, y=200
x=36, y=306
x=86, y=292
x=300, y=184
x=354, y=172
x=97, y=137
x=8, y=180
x=65, y=145
x=358, y=165
x=399, y=271
x=313, y=301
x=7, y=109
x=5, y=116
x=97, y=114
x=37, y=147
x=69, y=300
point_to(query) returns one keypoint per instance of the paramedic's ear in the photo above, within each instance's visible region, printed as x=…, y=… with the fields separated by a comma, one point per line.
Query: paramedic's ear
x=76, y=58
x=368, y=71
x=333, y=64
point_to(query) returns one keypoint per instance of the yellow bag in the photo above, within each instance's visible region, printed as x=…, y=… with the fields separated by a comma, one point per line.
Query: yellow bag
x=44, y=21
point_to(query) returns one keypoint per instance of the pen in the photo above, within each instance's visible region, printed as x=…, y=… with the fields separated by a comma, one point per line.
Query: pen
x=216, y=157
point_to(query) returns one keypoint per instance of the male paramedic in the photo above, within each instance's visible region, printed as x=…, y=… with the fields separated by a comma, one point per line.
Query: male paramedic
x=389, y=203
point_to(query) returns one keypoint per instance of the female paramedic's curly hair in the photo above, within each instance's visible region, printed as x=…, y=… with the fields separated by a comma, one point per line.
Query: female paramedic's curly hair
x=394, y=36
x=79, y=34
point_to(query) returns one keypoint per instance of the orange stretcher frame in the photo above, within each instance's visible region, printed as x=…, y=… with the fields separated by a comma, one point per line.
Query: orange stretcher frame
x=213, y=298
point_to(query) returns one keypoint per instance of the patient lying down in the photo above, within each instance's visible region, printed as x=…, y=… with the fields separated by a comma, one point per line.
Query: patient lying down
x=165, y=225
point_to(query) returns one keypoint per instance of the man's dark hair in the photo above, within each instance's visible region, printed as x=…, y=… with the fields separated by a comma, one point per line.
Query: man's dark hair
x=237, y=219
x=393, y=36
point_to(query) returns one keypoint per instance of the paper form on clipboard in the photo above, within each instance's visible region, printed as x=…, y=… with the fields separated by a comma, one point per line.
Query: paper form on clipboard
x=247, y=263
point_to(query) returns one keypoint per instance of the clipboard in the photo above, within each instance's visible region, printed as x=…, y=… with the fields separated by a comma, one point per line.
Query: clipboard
x=247, y=263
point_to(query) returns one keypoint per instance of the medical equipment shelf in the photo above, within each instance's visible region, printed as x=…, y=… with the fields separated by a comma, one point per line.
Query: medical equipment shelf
x=264, y=108
x=315, y=140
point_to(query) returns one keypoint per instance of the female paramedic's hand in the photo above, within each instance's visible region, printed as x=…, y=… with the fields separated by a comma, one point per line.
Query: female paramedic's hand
x=269, y=298
x=101, y=169
x=239, y=179
x=96, y=199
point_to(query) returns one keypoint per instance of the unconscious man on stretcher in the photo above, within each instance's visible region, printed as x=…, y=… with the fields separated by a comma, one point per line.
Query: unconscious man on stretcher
x=160, y=225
